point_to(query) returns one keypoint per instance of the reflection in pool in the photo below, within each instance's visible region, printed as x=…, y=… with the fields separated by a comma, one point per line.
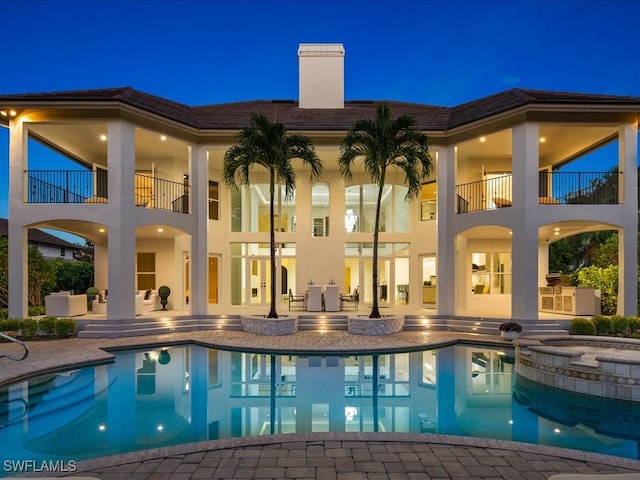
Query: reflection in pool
x=184, y=394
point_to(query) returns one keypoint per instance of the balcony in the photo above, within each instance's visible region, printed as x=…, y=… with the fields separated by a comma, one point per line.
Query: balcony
x=554, y=188
x=86, y=186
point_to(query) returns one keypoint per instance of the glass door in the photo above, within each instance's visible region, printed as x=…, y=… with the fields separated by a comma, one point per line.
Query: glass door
x=259, y=279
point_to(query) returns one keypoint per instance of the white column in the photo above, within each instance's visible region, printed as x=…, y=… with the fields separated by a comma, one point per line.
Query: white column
x=199, y=284
x=122, y=241
x=628, y=235
x=524, y=241
x=446, y=254
x=18, y=248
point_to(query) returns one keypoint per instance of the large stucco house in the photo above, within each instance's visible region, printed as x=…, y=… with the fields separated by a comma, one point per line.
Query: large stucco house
x=147, y=190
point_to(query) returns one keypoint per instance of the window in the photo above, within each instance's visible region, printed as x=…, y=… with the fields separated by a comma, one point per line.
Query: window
x=491, y=273
x=250, y=209
x=320, y=210
x=428, y=205
x=214, y=200
x=146, y=270
x=63, y=252
x=360, y=208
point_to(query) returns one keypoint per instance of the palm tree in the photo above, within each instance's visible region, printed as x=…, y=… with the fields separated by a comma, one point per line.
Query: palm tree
x=383, y=143
x=267, y=144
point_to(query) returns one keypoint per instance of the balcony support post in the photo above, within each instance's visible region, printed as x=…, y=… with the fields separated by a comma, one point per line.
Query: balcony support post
x=628, y=234
x=524, y=222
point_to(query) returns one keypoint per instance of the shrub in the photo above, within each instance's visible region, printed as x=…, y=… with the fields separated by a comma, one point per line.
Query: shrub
x=10, y=325
x=36, y=311
x=620, y=325
x=47, y=325
x=29, y=328
x=65, y=327
x=582, y=326
x=634, y=325
x=4, y=313
x=603, y=324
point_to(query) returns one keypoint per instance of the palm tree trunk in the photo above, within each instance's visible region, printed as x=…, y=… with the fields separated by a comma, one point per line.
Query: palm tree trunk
x=272, y=247
x=375, y=312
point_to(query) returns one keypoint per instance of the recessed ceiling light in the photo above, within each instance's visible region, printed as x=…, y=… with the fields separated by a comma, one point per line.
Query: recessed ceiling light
x=163, y=137
x=483, y=139
x=160, y=230
x=543, y=139
x=103, y=137
x=101, y=230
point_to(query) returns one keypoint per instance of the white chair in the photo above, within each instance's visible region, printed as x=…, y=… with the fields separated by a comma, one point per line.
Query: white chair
x=63, y=304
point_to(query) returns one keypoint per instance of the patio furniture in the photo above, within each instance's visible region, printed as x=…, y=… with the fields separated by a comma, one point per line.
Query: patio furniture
x=403, y=293
x=331, y=298
x=299, y=298
x=314, y=299
x=63, y=304
x=350, y=298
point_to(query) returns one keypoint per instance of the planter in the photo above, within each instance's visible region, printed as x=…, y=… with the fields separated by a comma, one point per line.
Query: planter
x=270, y=326
x=363, y=325
x=510, y=335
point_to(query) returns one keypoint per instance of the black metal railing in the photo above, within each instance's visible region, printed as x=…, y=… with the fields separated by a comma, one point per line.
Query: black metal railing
x=14, y=340
x=152, y=192
x=581, y=188
x=86, y=186
x=484, y=194
x=554, y=188
x=65, y=186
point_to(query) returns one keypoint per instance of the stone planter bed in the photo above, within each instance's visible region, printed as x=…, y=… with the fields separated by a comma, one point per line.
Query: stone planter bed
x=363, y=325
x=270, y=326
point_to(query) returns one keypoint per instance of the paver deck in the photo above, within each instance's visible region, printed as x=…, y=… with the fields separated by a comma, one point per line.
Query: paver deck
x=321, y=456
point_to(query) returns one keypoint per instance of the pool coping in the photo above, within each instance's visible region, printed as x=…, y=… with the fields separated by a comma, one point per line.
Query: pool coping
x=369, y=437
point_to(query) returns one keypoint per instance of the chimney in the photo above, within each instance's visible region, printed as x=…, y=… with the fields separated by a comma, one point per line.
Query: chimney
x=321, y=71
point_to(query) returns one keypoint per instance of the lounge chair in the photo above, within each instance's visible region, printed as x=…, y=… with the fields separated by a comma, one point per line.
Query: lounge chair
x=299, y=298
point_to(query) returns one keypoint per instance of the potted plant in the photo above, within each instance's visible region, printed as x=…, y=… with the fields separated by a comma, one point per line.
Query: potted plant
x=510, y=330
x=92, y=292
x=163, y=293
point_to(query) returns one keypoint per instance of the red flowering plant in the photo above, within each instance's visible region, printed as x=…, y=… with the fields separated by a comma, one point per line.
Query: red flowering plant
x=510, y=327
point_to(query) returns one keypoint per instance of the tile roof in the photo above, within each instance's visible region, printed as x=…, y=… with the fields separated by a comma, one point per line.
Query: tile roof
x=35, y=235
x=234, y=115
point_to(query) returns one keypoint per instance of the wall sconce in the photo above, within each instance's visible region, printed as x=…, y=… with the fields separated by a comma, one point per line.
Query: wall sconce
x=164, y=357
x=8, y=112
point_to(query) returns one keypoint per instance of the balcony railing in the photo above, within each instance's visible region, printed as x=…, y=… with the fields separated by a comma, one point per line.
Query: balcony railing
x=581, y=188
x=484, y=194
x=554, y=188
x=65, y=186
x=86, y=186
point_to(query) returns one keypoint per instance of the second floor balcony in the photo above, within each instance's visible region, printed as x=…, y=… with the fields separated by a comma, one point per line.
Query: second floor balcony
x=554, y=188
x=90, y=187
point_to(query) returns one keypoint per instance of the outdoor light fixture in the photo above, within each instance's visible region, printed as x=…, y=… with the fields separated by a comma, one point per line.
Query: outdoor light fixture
x=8, y=112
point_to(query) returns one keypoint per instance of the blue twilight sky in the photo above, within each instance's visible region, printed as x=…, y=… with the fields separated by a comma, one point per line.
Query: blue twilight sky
x=199, y=52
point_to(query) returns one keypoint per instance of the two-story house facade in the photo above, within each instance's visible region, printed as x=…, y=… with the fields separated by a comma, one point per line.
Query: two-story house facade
x=145, y=187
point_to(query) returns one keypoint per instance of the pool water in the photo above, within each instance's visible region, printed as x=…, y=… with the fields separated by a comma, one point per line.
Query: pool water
x=181, y=394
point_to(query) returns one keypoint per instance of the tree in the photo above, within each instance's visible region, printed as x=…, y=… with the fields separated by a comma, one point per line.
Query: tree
x=386, y=143
x=76, y=276
x=267, y=144
x=41, y=275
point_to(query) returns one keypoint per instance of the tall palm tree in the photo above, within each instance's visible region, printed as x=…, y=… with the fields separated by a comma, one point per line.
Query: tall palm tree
x=267, y=144
x=385, y=143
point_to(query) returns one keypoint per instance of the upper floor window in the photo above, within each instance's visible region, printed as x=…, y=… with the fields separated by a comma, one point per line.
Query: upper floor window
x=250, y=209
x=360, y=208
x=428, y=205
x=214, y=201
x=320, y=210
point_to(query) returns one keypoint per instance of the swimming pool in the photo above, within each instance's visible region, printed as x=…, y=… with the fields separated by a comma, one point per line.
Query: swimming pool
x=181, y=394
